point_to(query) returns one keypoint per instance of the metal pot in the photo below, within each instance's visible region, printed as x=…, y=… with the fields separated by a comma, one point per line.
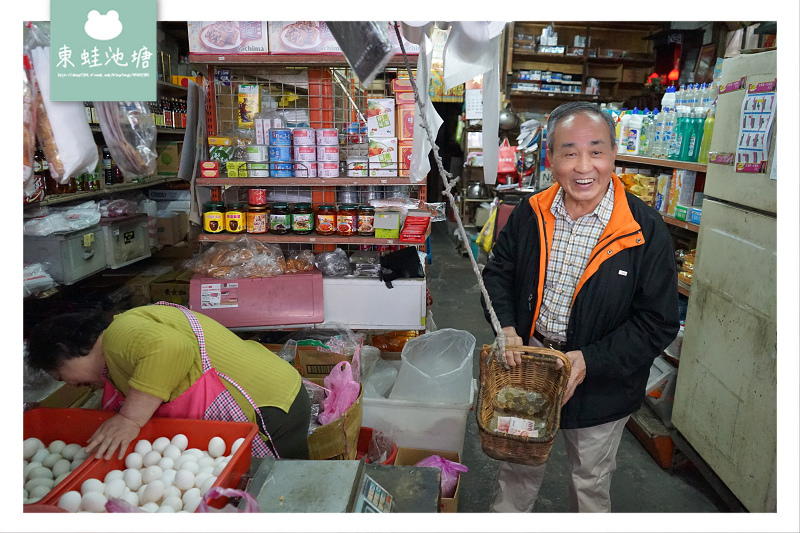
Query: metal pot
x=477, y=190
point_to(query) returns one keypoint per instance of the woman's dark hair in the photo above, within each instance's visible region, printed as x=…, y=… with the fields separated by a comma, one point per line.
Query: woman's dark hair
x=63, y=337
x=573, y=108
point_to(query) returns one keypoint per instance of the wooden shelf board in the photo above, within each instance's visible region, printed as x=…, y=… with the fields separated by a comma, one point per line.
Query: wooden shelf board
x=669, y=163
x=308, y=239
x=331, y=60
x=681, y=223
x=107, y=189
x=301, y=182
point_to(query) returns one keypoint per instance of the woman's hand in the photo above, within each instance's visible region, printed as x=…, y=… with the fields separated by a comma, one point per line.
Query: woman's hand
x=116, y=432
x=512, y=339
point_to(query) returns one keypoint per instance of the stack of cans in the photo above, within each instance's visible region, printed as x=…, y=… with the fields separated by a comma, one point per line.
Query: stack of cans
x=280, y=153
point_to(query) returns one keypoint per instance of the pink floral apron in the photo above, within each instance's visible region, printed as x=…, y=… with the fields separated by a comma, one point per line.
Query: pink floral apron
x=206, y=399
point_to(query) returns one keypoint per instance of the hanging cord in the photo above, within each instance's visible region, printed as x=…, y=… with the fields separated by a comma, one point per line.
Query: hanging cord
x=499, y=345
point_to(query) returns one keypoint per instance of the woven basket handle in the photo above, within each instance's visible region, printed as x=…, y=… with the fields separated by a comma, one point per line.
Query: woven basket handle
x=542, y=351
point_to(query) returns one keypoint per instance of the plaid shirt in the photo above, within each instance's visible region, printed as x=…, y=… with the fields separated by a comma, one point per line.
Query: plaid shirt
x=573, y=242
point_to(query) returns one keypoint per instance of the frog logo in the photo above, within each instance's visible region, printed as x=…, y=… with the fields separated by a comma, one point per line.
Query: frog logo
x=103, y=27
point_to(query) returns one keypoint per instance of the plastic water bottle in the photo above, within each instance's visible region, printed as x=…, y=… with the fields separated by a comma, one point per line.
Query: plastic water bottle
x=634, y=132
x=708, y=130
x=656, y=132
x=705, y=98
x=647, y=131
x=680, y=97
x=622, y=144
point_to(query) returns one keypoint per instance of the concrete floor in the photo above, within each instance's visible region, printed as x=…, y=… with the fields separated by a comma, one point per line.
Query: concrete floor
x=639, y=485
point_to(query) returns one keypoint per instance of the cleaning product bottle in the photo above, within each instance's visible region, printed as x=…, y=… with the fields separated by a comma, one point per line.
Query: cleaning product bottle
x=689, y=137
x=634, y=132
x=708, y=130
x=648, y=124
x=676, y=138
x=622, y=145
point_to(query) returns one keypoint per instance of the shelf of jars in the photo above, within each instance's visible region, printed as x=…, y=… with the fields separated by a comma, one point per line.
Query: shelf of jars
x=301, y=182
x=669, y=163
x=312, y=238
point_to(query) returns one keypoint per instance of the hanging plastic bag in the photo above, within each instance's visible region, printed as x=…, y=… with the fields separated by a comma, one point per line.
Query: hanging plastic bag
x=30, y=93
x=506, y=158
x=61, y=127
x=450, y=472
x=343, y=392
x=250, y=503
x=130, y=134
x=486, y=236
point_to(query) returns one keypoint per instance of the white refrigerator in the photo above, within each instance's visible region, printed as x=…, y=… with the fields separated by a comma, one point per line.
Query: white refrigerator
x=725, y=397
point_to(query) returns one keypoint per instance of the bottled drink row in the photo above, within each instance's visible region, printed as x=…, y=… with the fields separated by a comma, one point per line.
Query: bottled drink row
x=167, y=112
x=107, y=173
x=680, y=131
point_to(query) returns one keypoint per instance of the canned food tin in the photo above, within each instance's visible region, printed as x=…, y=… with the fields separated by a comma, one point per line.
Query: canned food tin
x=280, y=137
x=357, y=167
x=256, y=152
x=303, y=136
x=280, y=153
x=258, y=170
x=328, y=169
x=327, y=153
x=306, y=169
x=281, y=170
x=327, y=137
x=257, y=197
x=305, y=153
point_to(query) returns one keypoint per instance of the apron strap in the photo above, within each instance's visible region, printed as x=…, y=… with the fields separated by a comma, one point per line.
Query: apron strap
x=198, y=332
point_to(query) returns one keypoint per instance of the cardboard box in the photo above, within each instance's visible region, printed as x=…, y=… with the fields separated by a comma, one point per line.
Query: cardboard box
x=404, y=149
x=380, y=117
x=402, y=85
x=681, y=189
x=387, y=223
x=181, y=195
x=405, y=122
x=227, y=37
x=249, y=103
x=694, y=215
x=301, y=37
x=209, y=165
x=404, y=98
x=383, y=154
x=172, y=286
x=681, y=211
x=209, y=173
x=662, y=192
x=171, y=227
x=411, y=456
x=315, y=365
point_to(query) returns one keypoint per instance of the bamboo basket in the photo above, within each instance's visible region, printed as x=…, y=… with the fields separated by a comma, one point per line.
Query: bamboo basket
x=537, y=373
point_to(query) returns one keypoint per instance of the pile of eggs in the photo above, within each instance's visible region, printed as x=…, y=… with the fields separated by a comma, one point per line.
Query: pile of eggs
x=164, y=476
x=44, y=467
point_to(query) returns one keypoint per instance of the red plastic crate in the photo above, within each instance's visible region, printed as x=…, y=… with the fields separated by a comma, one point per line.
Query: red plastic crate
x=77, y=425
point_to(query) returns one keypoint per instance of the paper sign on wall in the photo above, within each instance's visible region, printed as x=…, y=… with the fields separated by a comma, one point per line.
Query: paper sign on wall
x=755, y=127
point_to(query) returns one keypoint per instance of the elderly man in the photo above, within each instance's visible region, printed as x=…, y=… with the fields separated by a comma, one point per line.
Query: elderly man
x=588, y=269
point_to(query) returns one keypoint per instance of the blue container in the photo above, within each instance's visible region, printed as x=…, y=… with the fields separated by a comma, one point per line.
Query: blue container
x=280, y=153
x=281, y=170
x=280, y=137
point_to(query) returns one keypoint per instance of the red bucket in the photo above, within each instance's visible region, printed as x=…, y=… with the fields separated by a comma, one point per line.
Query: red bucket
x=364, y=438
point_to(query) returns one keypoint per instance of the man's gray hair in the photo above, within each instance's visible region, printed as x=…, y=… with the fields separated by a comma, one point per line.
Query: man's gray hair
x=573, y=108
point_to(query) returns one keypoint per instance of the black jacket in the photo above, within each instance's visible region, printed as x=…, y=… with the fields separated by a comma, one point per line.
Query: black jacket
x=624, y=312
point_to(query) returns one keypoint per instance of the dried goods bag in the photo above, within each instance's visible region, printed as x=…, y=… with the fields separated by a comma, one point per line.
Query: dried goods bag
x=130, y=134
x=29, y=95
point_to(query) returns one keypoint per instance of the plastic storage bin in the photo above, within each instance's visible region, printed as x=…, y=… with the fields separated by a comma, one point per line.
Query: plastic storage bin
x=420, y=424
x=127, y=239
x=71, y=256
x=366, y=303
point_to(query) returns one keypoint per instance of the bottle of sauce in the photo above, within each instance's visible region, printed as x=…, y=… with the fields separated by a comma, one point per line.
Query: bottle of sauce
x=347, y=220
x=302, y=218
x=279, y=218
x=214, y=217
x=257, y=219
x=235, y=218
x=326, y=220
x=366, y=220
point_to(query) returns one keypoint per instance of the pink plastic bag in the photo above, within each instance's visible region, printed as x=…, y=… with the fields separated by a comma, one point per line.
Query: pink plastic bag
x=450, y=471
x=343, y=393
x=250, y=503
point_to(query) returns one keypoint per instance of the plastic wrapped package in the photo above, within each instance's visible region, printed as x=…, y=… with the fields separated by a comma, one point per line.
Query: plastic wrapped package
x=241, y=258
x=35, y=279
x=380, y=447
x=61, y=127
x=130, y=134
x=63, y=219
x=300, y=261
x=30, y=93
x=117, y=207
x=450, y=472
x=380, y=379
x=365, y=44
x=334, y=264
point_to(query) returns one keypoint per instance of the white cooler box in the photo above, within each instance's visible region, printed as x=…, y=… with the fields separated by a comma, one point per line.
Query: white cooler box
x=127, y=239
x=366, y=303
x=433, y=426
x=71, y=256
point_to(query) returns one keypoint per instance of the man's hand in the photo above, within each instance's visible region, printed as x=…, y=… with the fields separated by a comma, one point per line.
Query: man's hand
x=577, y=374
x=512, y=339
x=116, y=432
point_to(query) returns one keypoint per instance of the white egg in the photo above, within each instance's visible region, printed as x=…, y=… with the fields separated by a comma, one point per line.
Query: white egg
x=51, y=459
x=26, y=471
x=62, y=477
x=200, y=478
x=205, y=461
x=92, y=485
x=140, y=494
x=40, y=471
x=94, y=502
x=115, y=488
x=132, y=478
x=151, y=458
x=133, y=460
x=30, y=446
x=196, y=452
x=70, y=501
x=238, y=442
x=131, y=498
x=218, y=468
x=208, y=483
x=70, y=450
x=143, y=446
x=149, y=507
x=154, y=491
x=171, y=451
x=57, y=446
x=80, y=454
x=112, y=475
x=165, y=509
x=191, y=466
x=216, y=447
x=38, y=482
x=61, y=466
x=184, y=479
x=180, y=441
x=166, y=463
x=160, y=444
x=168, y=477
x=208, y=469
x=76, y=463
x=151, y=472
x=190, y=493
x=173, y=501
x=191, y=500
x=172, y=491
x=40, y=454
x=38, y=492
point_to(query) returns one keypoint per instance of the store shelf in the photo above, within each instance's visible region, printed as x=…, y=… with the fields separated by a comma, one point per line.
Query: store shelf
x=159, y=129
x=561, y=96
x=681, y=223
x=171, y=89
x=523, y=55
x=303, y=239
x=670, y=163
x=684, y=288
x=106, y=190
x=307, y=60
x=301, y=182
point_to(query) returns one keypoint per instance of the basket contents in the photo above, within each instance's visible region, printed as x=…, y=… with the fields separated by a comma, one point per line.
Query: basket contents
x=164, y=475
x=45, y=466
x=519, y=412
